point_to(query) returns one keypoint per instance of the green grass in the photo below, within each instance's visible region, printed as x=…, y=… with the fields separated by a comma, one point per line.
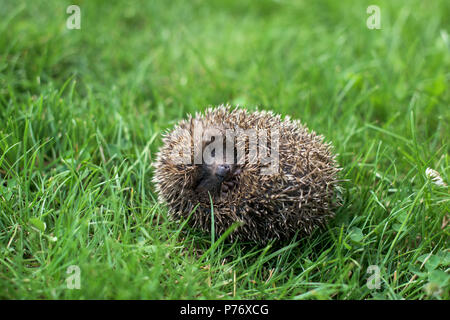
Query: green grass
x=81, y=116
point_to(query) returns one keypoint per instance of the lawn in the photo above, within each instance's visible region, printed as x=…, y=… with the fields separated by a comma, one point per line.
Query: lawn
x=81, y=117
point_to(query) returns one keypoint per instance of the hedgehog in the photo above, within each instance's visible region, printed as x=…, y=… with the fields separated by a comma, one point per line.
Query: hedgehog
x=267, y=177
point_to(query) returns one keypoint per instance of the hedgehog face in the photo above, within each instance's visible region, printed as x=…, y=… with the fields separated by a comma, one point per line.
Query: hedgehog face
x=214, y=176
x=217, y=179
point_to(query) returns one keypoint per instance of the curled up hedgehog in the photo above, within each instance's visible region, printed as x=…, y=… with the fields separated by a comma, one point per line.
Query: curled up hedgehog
x=269, y=174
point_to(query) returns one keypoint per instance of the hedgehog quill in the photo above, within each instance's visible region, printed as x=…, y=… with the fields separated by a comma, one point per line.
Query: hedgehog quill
x=270, y=174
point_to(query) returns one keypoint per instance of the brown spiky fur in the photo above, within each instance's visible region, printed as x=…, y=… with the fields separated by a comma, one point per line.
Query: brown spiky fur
x=300, y=197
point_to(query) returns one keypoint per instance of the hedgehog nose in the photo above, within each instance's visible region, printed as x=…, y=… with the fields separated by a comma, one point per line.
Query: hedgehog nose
x=222, y=171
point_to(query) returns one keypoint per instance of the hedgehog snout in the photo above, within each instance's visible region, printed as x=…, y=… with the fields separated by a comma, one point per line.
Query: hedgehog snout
x=222, y=171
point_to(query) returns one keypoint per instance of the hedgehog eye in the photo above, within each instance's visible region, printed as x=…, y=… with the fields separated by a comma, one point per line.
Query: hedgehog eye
x=202, y=172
